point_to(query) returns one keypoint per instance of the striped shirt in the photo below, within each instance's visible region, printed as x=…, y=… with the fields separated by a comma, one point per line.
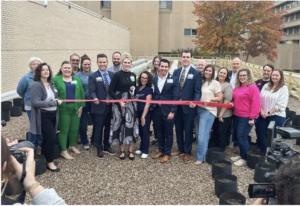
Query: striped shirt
x=277, y=100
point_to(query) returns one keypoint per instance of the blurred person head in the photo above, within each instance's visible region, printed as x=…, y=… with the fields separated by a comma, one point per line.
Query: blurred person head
x=208, y=73
x=277, y=80
x=223, y=75
x=186, y=58
x=287, y=182
x=155, y=62
x=85, y=64
x=116, y=58
x=126, y=61
x=33, y=63
x=201, y=65
x=102, y=62
x=6, y=168
x=267, y=70
x=164, y=67
x=43, y=71
x=236, y=64
x=75, y=60
x=65, y=69
x=244, y=77
x=145, y=79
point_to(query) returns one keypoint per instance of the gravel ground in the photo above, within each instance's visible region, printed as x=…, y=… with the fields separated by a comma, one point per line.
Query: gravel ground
x=90, y=181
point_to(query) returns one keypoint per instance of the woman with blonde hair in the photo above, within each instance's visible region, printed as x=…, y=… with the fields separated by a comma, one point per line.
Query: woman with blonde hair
x=124, y=124
x=246, y=102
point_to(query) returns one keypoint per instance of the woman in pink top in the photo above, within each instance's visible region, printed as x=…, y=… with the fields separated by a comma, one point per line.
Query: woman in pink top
x=246, y=102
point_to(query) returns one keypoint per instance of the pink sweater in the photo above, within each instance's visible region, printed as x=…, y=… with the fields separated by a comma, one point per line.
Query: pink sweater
x=246, y=100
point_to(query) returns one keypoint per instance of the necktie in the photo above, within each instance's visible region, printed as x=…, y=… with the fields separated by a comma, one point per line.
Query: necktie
x=106, y=84
x=181, y=80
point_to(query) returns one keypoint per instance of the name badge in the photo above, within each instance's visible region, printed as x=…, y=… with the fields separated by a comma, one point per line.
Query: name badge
x=132, y=78
x=74, y=82
x=99, y=79
x=55, y=90
x=169, y=80
x=190, y=76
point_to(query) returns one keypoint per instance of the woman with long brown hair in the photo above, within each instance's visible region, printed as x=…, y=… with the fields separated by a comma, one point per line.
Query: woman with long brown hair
x=274, y=99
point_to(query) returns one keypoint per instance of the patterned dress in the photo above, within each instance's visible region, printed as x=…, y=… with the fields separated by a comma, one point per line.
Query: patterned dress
x=124, y=127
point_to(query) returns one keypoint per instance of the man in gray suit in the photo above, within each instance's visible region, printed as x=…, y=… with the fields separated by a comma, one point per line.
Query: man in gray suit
x=98, y=88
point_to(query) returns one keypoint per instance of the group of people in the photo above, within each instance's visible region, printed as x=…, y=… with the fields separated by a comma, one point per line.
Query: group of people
x=58, y=103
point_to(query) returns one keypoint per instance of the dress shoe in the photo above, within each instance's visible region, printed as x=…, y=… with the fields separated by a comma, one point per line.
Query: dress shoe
x=236, y=150
x=109, y=151
x=165, y=159
x=186, y=158
x=176, y=154
x=100, y=154
x=197, y=163
x=74, y=149
x=53, y=170
x=158, y=155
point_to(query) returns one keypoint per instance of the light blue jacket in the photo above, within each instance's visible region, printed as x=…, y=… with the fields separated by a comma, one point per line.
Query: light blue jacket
x=23, y=88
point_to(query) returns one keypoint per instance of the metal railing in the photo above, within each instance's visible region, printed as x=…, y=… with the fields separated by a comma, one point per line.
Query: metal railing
x=291, y=79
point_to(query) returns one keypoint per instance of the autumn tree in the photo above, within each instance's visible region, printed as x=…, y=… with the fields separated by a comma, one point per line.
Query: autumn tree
x=251, y=28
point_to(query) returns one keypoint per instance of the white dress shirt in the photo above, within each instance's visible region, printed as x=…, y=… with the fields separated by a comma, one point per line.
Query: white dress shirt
x=161, y=82
x=232, y=80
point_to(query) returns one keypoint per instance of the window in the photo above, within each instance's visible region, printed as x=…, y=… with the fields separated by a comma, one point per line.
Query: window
x=288, y=5
x=165, y=4
x=296, y=30
x=292, y=17
x=106, y=4
x=285, y=31
x=298, y=15
x=294, y=3
x=190, y=32
x=290, y=30
x=286, y=18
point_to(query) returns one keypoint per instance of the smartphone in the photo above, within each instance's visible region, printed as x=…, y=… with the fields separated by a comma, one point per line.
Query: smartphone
x=264, y=190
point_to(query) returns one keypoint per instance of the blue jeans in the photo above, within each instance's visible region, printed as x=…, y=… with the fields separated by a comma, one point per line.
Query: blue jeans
x=261, y=126
x=83, y=123
x=205, y=122
x=34, y=139
x=241, y=132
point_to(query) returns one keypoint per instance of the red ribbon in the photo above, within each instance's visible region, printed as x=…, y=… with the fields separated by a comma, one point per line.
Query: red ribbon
x=211, y=104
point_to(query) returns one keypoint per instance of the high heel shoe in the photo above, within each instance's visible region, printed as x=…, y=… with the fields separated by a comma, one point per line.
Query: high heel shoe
x=122, y=157
x=130, y=153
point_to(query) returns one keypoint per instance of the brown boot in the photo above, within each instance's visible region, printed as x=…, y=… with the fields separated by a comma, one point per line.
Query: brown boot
x=158, y=155
x=165, y=159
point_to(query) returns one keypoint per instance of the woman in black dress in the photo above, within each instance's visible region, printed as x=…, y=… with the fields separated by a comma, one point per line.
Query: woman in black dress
x=124, y=124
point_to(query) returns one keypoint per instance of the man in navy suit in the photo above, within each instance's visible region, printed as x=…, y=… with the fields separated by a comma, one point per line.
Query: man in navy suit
x=98, y=88
x=166, y=87
x=190, y=89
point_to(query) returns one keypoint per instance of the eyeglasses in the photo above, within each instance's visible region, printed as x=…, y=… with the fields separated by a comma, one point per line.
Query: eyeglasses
x=75, y=60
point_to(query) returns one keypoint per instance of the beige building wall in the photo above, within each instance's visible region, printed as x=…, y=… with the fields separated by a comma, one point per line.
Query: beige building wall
x=288, y=58
x=153, y=30
x=53, y=33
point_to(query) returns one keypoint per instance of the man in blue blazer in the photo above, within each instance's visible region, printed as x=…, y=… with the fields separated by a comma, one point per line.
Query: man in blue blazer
x=190, y=89
x=166, y=88
x=98, y=88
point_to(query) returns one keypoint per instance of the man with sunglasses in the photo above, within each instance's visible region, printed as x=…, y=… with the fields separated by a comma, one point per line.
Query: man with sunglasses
x=75, y=60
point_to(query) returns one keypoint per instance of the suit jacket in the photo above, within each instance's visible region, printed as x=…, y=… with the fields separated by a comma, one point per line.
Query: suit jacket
x=97, y=90
x=191, y=89
x=170, y=91
x=229, y=75
x=62, y=94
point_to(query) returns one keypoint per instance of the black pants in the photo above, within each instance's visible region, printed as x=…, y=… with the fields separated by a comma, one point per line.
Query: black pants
x=48, y=121
x=220, y=130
